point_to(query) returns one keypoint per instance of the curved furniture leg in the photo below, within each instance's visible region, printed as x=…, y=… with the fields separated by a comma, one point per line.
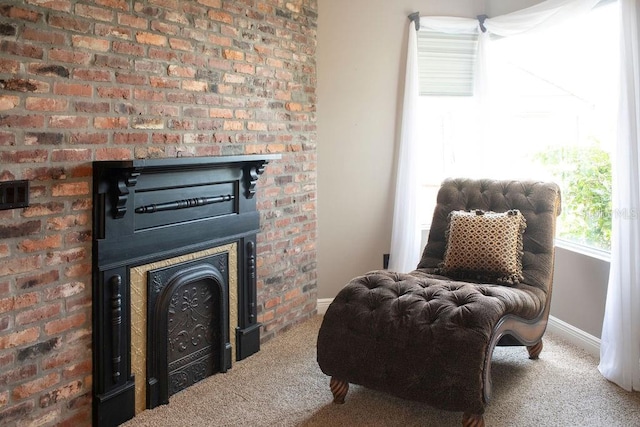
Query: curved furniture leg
x=535, y=350
x=339, y=388
x=472, y=420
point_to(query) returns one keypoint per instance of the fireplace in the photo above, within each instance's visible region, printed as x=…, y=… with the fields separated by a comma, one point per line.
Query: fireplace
x=174, y=276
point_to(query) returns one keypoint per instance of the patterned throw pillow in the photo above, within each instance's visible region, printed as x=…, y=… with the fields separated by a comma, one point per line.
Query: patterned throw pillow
x=484, y=246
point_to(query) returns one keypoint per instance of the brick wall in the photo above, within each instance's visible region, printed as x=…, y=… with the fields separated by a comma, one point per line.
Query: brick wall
x=84, y=80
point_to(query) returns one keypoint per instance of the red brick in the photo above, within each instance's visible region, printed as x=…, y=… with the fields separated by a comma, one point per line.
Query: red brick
x=19, y=338
x=232, y=55
x=131, y=79
x=50, y=242
x=7, y=358
x=219, y=16
x=165, y=110
x=111, y=122
x=70, y=322
x=17, y=12
x=44, y=174
x=148, y=95
x=194, y=85
x=7, y=304
x=41, y=279
x=43, y=138
x=90, y=43
x=37, y=314
x=112, y=31
x=127, y=48
x=113, y=154
x=147, y=123
x=20, y=265
x=92, y=12
x=165, y=28
x=72, y=89
x=130, y=138
x=180, y=44
x=9, y=66
x=89, y=138
x=114, y=92
x=70, y=189
x=64, y=291
x=21, y=49
x=92, y=107
x=163, y=82
x=69, y=23
x=78, y=369
x=222, y=113
x=8, y=102
x=71, y=155
x=70, y=56
x=21, y=122
x=7, y=139
x=49, y=37
x=214, y=4
x=26, y=300
x=65, y=257
x=111, y=61
x=132, y=21
x=68, y=122
x=46, y=104
x=92, y=75
x=60, y=394
x=179, y=71
x=150, y=38
x=78, y=270
x=31, y=388
x=16, y=412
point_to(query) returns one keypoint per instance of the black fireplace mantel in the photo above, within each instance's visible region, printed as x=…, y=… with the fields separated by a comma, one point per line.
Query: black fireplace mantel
x=150, y=210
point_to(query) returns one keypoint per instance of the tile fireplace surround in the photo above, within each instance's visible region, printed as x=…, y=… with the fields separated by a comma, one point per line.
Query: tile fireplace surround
x=174, y=276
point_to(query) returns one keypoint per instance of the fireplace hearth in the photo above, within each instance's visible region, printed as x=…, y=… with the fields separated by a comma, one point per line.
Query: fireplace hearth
x=174, y=296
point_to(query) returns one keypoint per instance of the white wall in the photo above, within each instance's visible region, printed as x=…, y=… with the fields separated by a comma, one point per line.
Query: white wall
x=580, y=290
x=361, y=61
x=501, y=7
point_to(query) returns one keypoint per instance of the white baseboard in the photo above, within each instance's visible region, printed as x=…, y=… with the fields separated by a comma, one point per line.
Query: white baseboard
x=323, y=304
x=575, y=336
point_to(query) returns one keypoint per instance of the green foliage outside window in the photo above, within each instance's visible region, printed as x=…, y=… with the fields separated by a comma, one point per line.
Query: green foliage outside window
x=584, y=174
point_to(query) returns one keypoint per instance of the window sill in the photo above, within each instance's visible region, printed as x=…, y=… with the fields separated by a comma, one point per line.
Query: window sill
x=584, y=250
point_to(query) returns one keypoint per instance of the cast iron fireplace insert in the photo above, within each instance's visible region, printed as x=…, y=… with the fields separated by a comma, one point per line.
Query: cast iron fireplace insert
x=174, y=276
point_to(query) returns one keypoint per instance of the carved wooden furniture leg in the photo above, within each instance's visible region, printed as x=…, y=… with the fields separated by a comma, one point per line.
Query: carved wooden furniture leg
x=339, y=388
x=534, y=350
x=472, y=420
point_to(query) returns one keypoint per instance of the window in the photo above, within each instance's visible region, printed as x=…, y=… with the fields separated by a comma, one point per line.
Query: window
x=549, y=114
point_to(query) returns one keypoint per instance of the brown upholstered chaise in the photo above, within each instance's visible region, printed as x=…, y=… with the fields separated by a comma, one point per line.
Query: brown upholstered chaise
x=426, y=337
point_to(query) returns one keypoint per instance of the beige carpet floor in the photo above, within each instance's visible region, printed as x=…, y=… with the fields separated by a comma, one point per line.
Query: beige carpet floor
x=283, y=386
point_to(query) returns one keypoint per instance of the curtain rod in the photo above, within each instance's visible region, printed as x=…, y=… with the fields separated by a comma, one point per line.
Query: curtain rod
x=415, y=18
x=481, y=19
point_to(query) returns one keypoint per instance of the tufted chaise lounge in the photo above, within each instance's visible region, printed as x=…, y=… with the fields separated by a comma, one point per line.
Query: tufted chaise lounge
x=430, y=338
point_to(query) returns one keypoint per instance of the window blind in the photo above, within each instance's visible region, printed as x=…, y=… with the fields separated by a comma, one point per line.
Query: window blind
x=446, y=63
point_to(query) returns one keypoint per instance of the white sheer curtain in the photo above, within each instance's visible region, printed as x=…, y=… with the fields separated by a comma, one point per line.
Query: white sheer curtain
x=406, y=234
x=405, y=237
x=620, y=341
